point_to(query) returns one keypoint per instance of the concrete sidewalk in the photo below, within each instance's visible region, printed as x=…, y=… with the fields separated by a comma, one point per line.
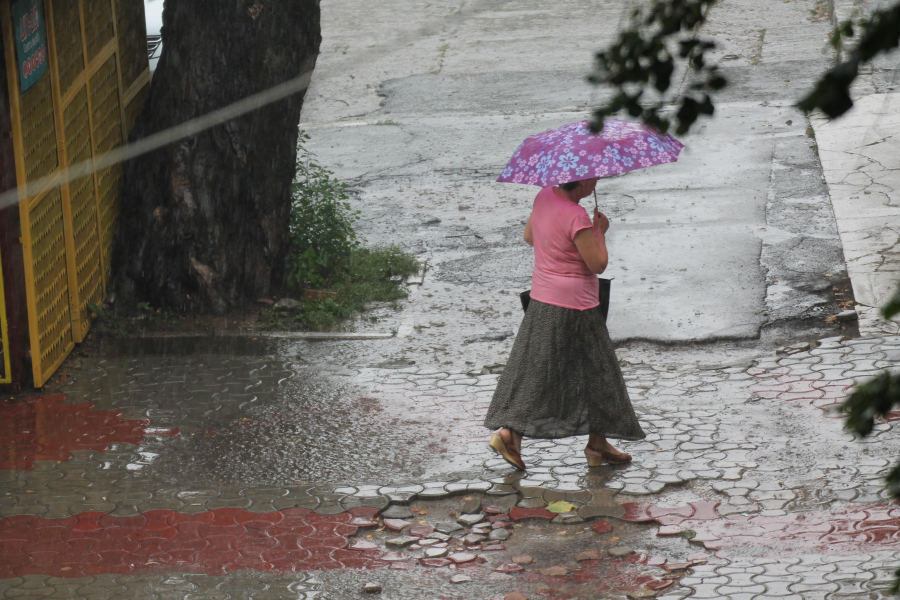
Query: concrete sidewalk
x=861, y=160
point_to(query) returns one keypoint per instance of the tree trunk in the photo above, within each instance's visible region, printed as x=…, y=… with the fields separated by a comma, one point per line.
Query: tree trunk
x=204, y=221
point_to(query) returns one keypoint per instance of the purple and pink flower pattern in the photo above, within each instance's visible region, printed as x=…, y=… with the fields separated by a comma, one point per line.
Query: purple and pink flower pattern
x=572, y=152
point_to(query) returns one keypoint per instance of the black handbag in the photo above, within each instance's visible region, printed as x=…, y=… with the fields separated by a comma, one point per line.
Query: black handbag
x=525, y=296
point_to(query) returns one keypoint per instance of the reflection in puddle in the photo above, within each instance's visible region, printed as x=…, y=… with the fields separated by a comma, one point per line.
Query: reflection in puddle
x=47, y=428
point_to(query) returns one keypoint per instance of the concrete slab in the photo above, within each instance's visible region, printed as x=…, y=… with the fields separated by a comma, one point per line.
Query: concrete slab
x=686, y=237
x=420, y=107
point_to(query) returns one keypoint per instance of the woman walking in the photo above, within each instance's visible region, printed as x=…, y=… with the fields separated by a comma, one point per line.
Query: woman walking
x=562, y=377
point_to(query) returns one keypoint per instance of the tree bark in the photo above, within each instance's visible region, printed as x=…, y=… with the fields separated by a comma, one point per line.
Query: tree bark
x=204, y=222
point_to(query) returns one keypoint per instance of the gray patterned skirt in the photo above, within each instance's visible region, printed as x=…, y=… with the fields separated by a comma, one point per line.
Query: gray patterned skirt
x=563, y=379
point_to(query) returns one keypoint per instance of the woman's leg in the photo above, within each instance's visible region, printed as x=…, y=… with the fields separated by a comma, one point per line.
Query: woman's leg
x=512, y=439
x=598, y=443
x=508, y=444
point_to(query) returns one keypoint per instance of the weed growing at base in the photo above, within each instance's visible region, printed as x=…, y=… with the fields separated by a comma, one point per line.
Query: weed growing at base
x=326, y=254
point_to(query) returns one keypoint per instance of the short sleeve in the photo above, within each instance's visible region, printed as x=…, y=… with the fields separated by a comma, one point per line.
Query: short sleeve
x=579, y=220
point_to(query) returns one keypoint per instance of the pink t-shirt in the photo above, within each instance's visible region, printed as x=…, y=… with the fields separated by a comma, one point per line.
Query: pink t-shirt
x=560, y=276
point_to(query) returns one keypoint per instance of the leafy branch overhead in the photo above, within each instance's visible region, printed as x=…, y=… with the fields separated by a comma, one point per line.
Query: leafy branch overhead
x=665, y=34
x=643, y=56
x=881, y=33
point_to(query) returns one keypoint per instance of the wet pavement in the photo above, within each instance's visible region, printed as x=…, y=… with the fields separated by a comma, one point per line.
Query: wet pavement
x=277, y=475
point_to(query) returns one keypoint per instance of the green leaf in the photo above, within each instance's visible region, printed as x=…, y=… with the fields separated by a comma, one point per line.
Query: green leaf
x=96, y=310
x=892, y=308
x=561, y=506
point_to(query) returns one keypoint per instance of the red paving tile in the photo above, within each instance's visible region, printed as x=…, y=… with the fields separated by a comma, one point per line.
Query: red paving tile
x=420, y=531
x=604, y=576
x=602, y=526
x=875, y=527
x=517, y=513
x=636, y=512
x=509, y=568
x=396, y=524
x=212, y=542
x=435, y=562
x=462, y=557
x=805, y=390
x=846, y=531
x=46, y=428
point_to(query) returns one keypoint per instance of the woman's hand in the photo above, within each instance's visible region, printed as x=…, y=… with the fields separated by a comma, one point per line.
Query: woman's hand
x=601, y=223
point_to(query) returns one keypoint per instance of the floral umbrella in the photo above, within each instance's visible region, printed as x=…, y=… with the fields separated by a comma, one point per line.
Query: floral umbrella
x=572, y=152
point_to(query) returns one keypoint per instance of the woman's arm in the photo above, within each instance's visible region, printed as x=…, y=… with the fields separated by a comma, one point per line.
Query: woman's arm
x=527, y=235
x=591, y=244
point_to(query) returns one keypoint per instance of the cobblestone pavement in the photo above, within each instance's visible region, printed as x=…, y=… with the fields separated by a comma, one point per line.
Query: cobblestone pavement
x=265, y=476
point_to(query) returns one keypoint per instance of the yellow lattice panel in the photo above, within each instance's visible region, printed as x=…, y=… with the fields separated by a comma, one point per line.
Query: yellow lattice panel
x=99, y=65
x=98, y=25
x=4, y=337
x=131, y=31
x=38, y=131
x=85, y=226
x=47, y=279
x=69, y=48
x=107, y=135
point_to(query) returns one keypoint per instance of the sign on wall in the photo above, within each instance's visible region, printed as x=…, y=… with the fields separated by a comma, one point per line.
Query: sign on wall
x=31, y=42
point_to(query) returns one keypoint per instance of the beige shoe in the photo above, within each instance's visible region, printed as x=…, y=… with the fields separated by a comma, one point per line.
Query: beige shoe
x=595, y=458
x=511, y=456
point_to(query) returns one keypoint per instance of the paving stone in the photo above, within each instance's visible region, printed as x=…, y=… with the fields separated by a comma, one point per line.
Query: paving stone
x=396, y=524
x=379, y=502
x=401, y=497
x=447, y=528
x=567, y=518
x=503, y=503
x=434, y=493
x=531, y=503
x=502, y=490
x=400, y=542
x=397, y=512
x=462, y=557
x=471, y=505
x=526, y=491
x=470, y=520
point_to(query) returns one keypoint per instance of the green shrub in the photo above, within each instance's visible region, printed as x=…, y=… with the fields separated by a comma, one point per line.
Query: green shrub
x=321, y=229
x=327, y=255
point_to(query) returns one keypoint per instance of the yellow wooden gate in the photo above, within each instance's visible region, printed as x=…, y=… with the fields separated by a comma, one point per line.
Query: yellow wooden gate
x=83, y=106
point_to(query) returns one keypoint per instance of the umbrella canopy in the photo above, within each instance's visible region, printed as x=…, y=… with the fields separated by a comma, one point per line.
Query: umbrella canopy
x=572, y=153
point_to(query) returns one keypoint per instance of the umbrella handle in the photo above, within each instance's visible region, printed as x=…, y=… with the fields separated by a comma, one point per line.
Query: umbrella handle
x=595, y=200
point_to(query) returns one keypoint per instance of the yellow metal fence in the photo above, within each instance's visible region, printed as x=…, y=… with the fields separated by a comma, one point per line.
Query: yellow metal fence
x=83, y=106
